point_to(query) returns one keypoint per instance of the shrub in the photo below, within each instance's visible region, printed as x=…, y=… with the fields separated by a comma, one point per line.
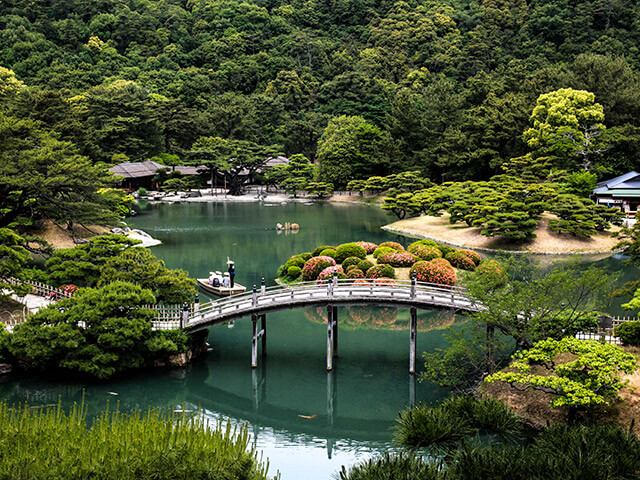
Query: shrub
x=328, y=272
x=444, y=249
x=294, y=272
x=350, y=261
x=318, y=250
x=629, y=333
x=355, y=272
x=460, y=260
x=347, y=250
x=368, y=246
x=405, y=466
x=365, y=265
x=473, y=255
x=394, y=245
x=436, y=271
x=314, y=266
x=492, y=272
x=425, y=252
x=328, y=252
x=380, y=250
x=295, y=261
x=306, y=256
x=142, y=192
x=398, y=259
x=351, y=267
x=378, y=271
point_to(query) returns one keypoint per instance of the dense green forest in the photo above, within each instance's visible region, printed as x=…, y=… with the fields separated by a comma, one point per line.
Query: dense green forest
x=444, y=87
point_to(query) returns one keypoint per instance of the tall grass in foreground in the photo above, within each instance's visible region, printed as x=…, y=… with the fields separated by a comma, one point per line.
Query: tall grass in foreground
x=47, y=443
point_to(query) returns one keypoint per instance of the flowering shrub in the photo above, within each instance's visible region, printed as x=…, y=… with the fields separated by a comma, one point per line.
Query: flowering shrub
x=355, y=273
x=394, y=245
x=492, y=272
x=434, y=271
x=365, y=265
x=349, y=268
x=460, y=260
x=328, y=252
x=347, y=250
x=378, y=271
x=380, y=250
x=69, y=289
x=350, y=261
x=314, y=266
x=473, y=255
x=316, y=252
x=425, y=252
x=398, y=259
x=328, y=272
x=386, y=282
x=368, y=246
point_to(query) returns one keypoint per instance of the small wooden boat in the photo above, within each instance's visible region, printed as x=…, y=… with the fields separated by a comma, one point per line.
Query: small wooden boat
x=221, y=291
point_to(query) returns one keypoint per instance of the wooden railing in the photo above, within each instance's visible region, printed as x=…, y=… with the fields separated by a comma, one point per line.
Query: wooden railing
x=40, y=289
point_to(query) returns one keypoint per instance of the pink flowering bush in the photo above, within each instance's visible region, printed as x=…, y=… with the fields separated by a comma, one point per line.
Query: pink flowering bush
x=328, y=272
x=492, y=272
x=386, y=282
x=435, y=271
x=398, y=259
x=459, y=260
x=425, y=252
x=473, y=255
x=394, y=245
x=355, y=273
x=314, y=266
x=69, y=289
x=368, y=246
x=378, y=271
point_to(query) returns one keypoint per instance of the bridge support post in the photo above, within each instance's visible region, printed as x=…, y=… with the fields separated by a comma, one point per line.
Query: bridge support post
x=254, y=341
x=335, y=331
x=263, y=326
x=412, y=390
x=329, y=338
x=412, y=341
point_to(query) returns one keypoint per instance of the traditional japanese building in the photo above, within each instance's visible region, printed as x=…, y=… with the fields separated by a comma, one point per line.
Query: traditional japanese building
x=622, y=192
x=140, y=174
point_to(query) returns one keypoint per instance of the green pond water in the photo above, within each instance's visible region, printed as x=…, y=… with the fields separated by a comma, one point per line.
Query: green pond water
x=306, y=421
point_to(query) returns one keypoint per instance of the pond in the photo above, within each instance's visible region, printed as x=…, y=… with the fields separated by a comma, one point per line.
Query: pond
x=306, y=421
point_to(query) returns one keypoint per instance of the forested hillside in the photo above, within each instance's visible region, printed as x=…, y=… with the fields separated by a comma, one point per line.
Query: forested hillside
x=446, y=88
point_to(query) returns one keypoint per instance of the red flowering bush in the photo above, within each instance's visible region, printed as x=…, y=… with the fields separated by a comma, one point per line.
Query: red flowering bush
x=425, y=252
x=378, y=271
x=355, y=273
x=473, y=255
x=69, y=289
x=394, y=245
x=398, y=259
x=314, y=266
x=492, y=272
x=328, y=272
x=349, y=268
x=460, y=260
x=368, y=246
x=386, y=282
x=435, y=271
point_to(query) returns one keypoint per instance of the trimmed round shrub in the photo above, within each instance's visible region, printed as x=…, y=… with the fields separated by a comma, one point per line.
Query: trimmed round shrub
x=327, y=273
x=428, y=243
x=349, y=268
x=347, y=250
x=294, y=272
x=328, y=252
x=317, y=251
x=349, y=261
x=365, y=265
x=425, y=252
x=492, y=272
x=306, y=256
x=398, y=259
x=314, y=266
x=460, y=260
x=378, y=271
x=629, y=333
x=444, y=249
x=355, y=272
x=380, y=250
x=368, y=246
x=473, y=255
x=394, y=245
x=295, y=261
x=435, y=271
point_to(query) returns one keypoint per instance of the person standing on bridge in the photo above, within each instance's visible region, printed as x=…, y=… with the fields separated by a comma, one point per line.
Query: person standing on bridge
x=232, y=272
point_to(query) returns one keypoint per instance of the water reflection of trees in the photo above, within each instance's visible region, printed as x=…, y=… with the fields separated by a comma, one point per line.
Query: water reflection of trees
x=384, y=318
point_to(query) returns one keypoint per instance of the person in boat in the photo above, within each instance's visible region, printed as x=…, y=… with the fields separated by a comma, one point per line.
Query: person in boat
x=212, y=276
x=232, y=272
x=225, y=280
x=217, y=279
x=279, y=226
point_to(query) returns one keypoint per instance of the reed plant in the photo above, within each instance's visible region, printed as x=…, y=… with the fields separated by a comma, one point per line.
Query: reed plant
x=49, y=443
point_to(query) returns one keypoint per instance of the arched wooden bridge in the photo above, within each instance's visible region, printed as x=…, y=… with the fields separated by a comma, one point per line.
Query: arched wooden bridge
x=383, y=292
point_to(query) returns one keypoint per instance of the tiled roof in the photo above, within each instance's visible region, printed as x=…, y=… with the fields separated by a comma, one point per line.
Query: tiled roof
x=147, y=168
x=628, y=180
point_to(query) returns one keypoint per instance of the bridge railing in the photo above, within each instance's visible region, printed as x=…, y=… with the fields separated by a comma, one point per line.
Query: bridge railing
x=333, y=288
